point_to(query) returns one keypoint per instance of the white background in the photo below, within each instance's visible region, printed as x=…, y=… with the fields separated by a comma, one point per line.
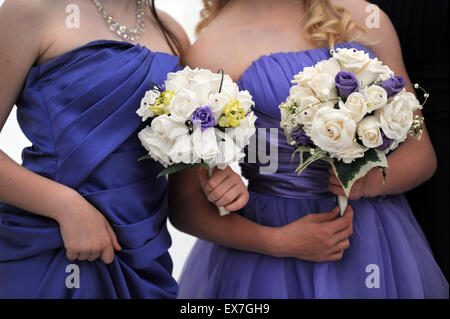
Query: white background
x=12, y=141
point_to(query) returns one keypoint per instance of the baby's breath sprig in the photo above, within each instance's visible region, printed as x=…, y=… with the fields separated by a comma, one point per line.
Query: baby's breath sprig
x=416, y=128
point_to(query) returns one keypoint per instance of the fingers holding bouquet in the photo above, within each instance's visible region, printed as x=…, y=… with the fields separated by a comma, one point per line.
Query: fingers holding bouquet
x=224, y=188
x=318, y=237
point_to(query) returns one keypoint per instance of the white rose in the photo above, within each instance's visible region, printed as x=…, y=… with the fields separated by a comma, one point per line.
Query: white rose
x=201, y=89
x=217, y=102
x=186, y=72
x=158, y=146
x=396, y=118
x=303, y=96
x=369, y=132
x=229, y=88
x=166, y=127
x=410, y=99
x=202, y=83
x=323, y=86
x=333, y=130
x=370, y=73
x=242, y=133
x=376, y=97
x=183, y=151
x=330, y=66
x=246, y=100
x=351, y=60
x=386, y=74
x=355, y=106
x=303, y=77
x=214, y=82
x=148, y=100
x=229, y=152
x=205, y=143
x=175, y=82
x=349, y=154
x=183, y=105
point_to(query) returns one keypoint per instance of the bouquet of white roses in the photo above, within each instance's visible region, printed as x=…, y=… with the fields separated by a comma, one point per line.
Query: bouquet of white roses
x=197, y=118
x=350, y=111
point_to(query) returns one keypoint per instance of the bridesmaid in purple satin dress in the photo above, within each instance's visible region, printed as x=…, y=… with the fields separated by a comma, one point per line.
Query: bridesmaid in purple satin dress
x=81, y=218
x=265, y=43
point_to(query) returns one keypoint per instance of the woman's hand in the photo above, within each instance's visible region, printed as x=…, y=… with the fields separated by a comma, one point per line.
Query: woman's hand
x=86, y=233
x=367, y=186
x=315, y=237
x=224, y=188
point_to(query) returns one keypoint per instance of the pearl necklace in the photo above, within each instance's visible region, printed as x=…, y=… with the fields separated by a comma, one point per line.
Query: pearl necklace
x=132, y=34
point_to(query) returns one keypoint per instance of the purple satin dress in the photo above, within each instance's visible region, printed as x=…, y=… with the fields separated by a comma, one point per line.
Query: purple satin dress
x=79, y=112
x=389, y=256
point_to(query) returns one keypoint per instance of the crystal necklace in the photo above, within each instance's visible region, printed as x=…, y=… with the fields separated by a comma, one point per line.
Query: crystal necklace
x=129, y=34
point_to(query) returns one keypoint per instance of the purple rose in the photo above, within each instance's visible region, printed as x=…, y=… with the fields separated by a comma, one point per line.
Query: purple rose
x=386, y=142
x=300, y=137
x=393, y=85
x=204, y=117
x=346, y=83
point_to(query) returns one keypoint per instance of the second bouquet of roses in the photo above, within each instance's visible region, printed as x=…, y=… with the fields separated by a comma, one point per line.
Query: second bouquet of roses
x=351, y=111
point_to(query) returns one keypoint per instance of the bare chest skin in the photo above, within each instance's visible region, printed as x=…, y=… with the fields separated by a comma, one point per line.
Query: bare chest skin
x=63, y=34
x=232, y=44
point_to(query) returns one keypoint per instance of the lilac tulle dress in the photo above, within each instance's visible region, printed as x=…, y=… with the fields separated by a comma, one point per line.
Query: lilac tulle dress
x=389, y=256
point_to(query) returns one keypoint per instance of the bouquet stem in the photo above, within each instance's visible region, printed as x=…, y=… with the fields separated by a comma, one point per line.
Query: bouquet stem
x=222, y=210
x=342, y=202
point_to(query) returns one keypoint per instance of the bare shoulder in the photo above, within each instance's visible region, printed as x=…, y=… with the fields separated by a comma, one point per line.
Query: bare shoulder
x=30, y=8
x=377, y=26
x=23, y=25
x=23, y=13
x=176, y=28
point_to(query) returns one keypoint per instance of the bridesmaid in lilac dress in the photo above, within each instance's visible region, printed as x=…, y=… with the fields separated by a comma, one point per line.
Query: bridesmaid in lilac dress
x=388, y=256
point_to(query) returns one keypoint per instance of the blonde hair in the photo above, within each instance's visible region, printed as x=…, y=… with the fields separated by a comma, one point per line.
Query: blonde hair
x=325, y=24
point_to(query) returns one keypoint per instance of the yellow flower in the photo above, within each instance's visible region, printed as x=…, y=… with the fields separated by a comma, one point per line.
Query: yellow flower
x=162, y=102
x=232, y=114
x=167, y=97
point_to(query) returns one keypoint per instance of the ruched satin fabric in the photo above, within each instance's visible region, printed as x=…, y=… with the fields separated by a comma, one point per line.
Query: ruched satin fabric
x=78, y=110
x=387, y=239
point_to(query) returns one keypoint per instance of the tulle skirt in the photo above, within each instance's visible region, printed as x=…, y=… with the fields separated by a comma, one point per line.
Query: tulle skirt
x=388, y=257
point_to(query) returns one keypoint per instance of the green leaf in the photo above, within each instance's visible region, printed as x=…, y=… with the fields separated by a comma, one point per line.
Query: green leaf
x=348, y=174
x=205, y=165
x=179, y=167
x=306, y=158
x=145, y=157
x=176, y=168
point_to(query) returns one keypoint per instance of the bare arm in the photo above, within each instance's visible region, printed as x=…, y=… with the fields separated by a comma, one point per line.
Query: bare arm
x=413, y=162
x=317, y=237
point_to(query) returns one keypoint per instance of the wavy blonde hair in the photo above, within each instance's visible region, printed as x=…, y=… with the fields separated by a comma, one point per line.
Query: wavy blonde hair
x=325, y=24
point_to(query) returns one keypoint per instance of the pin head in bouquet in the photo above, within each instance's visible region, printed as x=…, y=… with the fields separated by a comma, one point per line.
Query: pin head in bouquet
x=351, y=111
